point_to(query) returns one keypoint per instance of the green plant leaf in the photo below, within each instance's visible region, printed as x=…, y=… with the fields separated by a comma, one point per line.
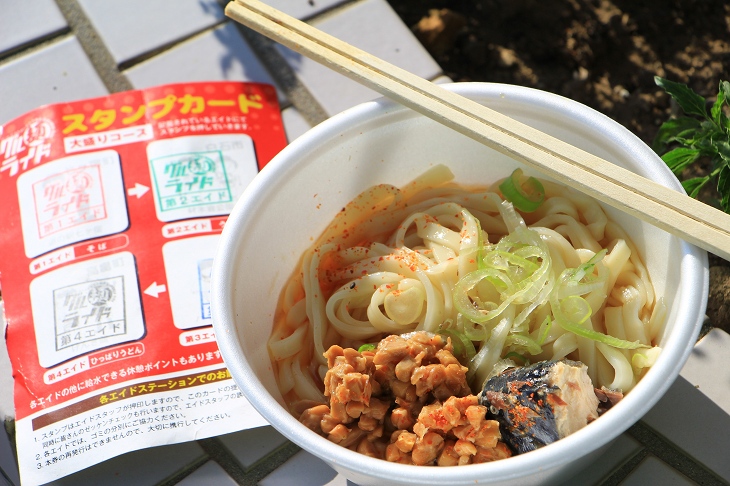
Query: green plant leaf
x=723, y=150
x=690, y=102
x=692, y=186
x=725, y=88
x=716, y=110
x=724, y=121
x=707, y=141
x=723, y=188
x=674, y=130
x=680, y=157
x=692, y=138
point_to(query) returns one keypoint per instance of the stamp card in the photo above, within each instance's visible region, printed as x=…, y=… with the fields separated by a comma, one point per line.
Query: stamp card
x=112, y=209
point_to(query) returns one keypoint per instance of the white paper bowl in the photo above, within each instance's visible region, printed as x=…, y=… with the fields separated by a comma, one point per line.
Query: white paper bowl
x=299, y=192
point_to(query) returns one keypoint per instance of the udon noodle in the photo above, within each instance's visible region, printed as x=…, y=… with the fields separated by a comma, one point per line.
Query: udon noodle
x=503, y=284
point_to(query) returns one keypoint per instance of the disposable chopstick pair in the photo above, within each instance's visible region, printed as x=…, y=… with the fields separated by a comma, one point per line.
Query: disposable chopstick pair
x=672, y=211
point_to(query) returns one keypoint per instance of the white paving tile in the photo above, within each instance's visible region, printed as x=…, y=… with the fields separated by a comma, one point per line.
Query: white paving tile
x=56, y=73
x=207, y=474
x=653, y=471
x=374, y=27
x=7, y=460
x=304, y=469
x=148, y=466
x=711, y=353
x=22, y=23
x=134, y=27
x=294, y=123
x=620, y=451
x=248, y=446
x=695, y=424
x=303, y=9
x=218, y=55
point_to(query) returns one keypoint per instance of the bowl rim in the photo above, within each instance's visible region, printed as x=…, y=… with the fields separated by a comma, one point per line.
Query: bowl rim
x=694, y=267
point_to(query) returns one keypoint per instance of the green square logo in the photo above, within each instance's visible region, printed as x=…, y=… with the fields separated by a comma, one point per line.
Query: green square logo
x=190, y=179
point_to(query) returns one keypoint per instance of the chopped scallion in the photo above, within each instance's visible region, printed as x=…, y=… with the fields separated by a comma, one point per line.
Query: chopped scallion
x=366, y=347
x=525, y=194
x=512, y=355
x=463, y=347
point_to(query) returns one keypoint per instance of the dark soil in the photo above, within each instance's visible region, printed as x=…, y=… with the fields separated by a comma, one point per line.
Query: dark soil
x=603, y=53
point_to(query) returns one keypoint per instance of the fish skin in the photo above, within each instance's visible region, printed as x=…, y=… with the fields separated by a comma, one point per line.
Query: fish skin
x=522, y=401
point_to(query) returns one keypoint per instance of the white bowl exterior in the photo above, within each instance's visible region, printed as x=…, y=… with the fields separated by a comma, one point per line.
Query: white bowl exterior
x=299, y=192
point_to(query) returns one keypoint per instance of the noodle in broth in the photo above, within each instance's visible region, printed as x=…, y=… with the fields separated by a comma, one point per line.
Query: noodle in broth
x=560, y=281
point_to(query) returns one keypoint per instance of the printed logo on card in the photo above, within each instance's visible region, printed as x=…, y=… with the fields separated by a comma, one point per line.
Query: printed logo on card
x=74, y=199
x=200, y=176
x=85, y=307
x=89, y=311
x=192, y=179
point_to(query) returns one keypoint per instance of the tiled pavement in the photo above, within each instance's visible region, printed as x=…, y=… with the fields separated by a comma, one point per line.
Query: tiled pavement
x=63, y=50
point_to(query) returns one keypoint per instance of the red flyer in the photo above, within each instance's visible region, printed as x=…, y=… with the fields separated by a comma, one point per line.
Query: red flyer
x=112, y=211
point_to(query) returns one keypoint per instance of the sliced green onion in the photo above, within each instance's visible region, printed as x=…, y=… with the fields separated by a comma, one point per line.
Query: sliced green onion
x=366, y=347
x=500, y=366
x=578, y=273
x=600, y=337
x=501, y=284
x=576, y=288
x=544, y=330
x=645, y=359
x=478, y=254
x=522, y=341
x=501, y=260
x=526, y=195
x=463, y=347
x=573, y=311
x=581, y=280
x=473, y=331
x=482, y=246
x=464, y=303
x=513, y=354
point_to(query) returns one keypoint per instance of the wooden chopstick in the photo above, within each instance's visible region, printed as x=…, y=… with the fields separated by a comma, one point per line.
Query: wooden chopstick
x=672, y=211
